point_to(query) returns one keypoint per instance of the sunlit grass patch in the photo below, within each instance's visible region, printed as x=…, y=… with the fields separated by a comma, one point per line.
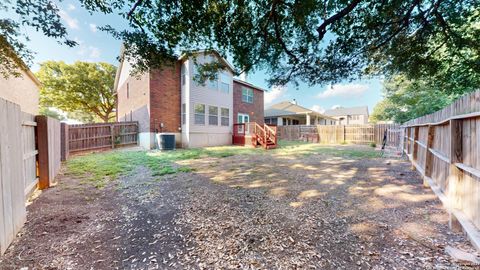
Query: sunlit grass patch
x=100, y=168
x=343, y=151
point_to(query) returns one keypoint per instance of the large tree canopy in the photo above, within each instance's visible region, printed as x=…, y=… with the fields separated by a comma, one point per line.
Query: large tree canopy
x=314, y=41
x=42, y=15
x=408, y=99
x=80, y=89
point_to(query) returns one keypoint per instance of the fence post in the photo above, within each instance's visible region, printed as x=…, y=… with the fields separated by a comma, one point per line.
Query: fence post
x=429, y=155
x=456, y=175
x=415, y=145
x=64, y=144
x=112, y=136
x=42, y=144
x=344, y=134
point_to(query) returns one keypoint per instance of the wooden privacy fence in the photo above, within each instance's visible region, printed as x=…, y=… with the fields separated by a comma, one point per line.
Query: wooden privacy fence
x=445, y=148
x=96, y=136
x=22, y=164
x=334, y=134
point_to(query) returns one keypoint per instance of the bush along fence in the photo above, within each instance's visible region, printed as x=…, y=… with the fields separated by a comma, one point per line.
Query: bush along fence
x=445, y=148
x=88, y=137
x=335, y=134
x=29, y=157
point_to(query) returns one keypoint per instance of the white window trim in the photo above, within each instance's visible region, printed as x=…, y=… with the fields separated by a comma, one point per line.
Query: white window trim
x=195, y=113
x=223, y=117
x=208, y=116
x=248, y=90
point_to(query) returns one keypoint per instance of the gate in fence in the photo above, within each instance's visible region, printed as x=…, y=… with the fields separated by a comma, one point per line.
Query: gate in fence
x=88, y=137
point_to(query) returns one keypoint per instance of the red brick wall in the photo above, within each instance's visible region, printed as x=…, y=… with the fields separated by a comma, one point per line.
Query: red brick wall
x=254, y=110
x=165, y=98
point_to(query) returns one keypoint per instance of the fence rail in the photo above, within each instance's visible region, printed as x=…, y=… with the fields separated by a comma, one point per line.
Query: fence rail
x=334, y=134
x=97, y=136
x=445, y=148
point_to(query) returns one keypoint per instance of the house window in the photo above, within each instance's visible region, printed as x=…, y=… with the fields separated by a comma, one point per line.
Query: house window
x=184, y=114
x=243, y=118
x=184, y=75
x=212, y=84
x=271, y=121
x=295, y=122
x=213, y=116
x=199, y=114
x=225, y=87
x=247, y=95
x=285, y=121
x=128, y=90
x=225, y=117
x=225, y=83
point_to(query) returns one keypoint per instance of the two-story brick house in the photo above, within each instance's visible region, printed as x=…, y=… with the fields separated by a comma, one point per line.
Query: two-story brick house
x=171, y=101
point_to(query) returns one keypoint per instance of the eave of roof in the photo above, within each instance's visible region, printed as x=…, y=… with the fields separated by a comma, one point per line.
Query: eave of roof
x=249, y=84
x=119, y=69
x=183, y=56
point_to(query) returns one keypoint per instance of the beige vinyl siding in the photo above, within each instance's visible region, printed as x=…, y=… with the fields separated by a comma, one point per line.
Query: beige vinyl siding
x=22, y=91
x=204, y=94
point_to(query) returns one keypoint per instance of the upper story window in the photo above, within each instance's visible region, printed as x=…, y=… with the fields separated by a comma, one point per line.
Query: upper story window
x=199, y=114
x=128, y=90
x=224, y=83
x=247, y=95
x=184, y=75
x=212, y=84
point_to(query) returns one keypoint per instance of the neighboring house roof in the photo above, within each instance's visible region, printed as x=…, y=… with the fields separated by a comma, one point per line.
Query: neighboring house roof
x=119, y=69
x=361, y=110
x=248, y=84
x=22, y=66
x=287, y=108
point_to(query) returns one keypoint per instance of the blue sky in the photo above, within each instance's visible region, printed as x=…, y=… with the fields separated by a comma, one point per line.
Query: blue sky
x=95, y=45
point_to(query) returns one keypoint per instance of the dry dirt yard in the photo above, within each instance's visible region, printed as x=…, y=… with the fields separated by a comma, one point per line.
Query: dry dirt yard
x=302, y=206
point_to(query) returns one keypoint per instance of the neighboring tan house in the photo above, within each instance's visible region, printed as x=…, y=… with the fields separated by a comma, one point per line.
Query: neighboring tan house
x=170, y=100
x=349, y=116
x=288, y=113
x=23, y=90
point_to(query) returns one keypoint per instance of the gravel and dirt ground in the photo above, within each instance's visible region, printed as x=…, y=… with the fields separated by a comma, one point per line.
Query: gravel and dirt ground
x=306, y=207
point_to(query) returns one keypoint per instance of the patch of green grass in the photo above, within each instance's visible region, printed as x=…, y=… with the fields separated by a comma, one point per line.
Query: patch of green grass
x=100, y=168
x=307, y=149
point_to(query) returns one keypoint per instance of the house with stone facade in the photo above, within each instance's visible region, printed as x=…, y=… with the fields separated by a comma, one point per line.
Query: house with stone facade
x=170, y=100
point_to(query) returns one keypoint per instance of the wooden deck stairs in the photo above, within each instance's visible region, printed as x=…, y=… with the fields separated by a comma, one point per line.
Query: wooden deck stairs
x=254, y=134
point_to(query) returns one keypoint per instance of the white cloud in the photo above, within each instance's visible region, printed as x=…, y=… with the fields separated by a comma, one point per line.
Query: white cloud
x=94, y=52
x=87, y=51
x=275, y=93
x=71, y=22
x=318, y=108
x=70, y=7
x=93, y=27
x=344, y=90
x=336, y=107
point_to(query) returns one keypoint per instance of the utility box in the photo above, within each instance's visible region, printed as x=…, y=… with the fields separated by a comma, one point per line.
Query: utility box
x=166, y=141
